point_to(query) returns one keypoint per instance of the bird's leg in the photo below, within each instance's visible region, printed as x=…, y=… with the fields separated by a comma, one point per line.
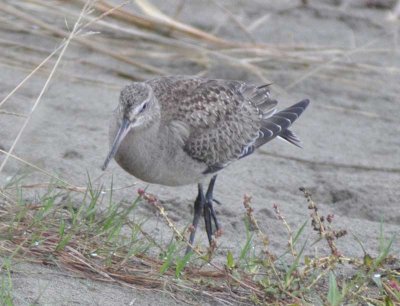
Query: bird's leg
x=209, y=211
x=198, y=209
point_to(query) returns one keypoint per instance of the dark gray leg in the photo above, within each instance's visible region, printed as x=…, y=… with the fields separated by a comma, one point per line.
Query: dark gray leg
x=198, y=209
x=209, y=211
x=204, y=204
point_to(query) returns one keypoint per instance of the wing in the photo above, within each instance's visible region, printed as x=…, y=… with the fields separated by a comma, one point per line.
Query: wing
x=220, y=121
x=223, y=126
x=222, y=117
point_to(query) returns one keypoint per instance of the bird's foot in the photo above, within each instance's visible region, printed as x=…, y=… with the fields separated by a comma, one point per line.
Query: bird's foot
x=204, y=204
x=209, y=217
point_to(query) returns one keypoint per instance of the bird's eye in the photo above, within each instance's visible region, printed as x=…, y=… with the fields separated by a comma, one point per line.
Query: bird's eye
x=143, y=108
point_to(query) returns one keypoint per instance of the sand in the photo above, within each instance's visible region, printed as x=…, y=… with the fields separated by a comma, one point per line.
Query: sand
x=350, y=160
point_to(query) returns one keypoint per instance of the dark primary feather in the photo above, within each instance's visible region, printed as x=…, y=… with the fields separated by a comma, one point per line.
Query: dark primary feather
x=278, y=124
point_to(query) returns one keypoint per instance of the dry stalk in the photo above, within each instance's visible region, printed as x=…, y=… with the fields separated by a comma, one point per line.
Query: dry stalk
x=64, y=48
x=253, y=222
x=154, y=201
x=151, y=199
x=288, y=229
x=39, y=169
x=236, y=21
x=324, y=230
x=68, y=188
x=315, y=70
x=3, y=112
x=140, y=272
x=81, y=40
x=157, y=21
x=32, y=73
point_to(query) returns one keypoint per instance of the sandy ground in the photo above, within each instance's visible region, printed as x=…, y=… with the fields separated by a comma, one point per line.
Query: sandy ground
x=351, y=155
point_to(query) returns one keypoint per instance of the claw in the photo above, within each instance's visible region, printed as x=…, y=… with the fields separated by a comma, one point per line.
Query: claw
x=216, y=201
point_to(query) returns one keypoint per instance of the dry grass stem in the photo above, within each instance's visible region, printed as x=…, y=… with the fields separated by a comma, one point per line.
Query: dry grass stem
x=159, y=22
x=253, y=222
x=319, y=225
x=288, y=229
x=81, y=40
x=39, y=169
x=64, y=48
x=33, y=234
x=151, y=199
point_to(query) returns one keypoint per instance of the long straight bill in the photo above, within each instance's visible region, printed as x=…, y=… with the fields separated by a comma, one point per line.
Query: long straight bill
x=122, y=132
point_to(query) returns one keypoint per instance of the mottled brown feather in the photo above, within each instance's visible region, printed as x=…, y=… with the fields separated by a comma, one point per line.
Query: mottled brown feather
x=223, y=117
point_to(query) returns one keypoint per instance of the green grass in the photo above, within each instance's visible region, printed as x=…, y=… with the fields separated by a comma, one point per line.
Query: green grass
x=91, y=234
x=6, y=289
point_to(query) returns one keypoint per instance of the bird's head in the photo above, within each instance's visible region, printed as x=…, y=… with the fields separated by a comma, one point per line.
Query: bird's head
x=137, y=108
x=135, y=105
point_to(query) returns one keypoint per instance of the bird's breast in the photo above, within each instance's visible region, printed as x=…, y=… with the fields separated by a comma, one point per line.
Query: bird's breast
x=155, y=156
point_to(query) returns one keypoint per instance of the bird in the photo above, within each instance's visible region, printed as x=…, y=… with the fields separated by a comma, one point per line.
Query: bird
x=181, y=130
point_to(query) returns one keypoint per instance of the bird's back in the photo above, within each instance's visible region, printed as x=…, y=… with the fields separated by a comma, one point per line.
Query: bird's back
x=219, y=121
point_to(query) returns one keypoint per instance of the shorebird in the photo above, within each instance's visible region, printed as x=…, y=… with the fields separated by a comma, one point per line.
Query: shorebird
x=180, y=130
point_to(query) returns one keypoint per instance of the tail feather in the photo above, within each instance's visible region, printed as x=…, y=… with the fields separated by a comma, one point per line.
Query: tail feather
x=290, y=137
x=278, y=124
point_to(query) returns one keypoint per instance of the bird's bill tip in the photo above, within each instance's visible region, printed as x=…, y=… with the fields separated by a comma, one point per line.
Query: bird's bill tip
x=108, y=159
x=122, y=132
x=106, y=162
